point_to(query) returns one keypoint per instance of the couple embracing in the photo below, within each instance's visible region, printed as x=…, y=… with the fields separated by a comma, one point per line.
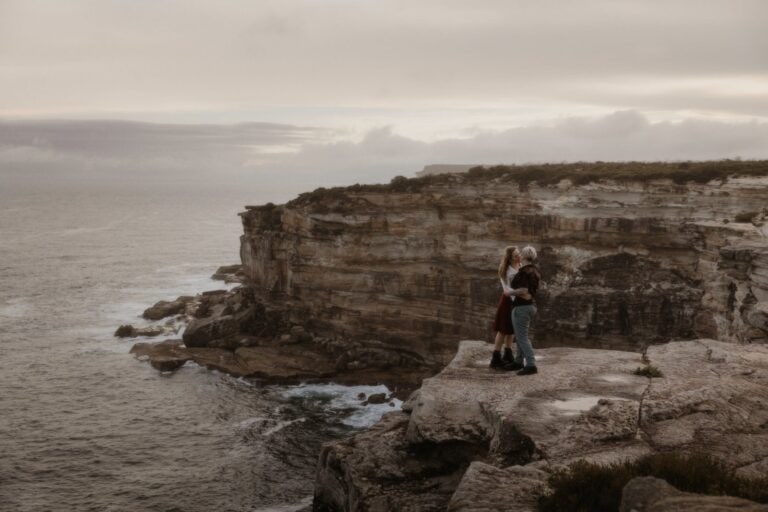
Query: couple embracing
x=520, y=281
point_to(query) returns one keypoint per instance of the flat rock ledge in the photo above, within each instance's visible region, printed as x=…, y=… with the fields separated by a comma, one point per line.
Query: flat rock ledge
x=471, y=439
x=276, y=363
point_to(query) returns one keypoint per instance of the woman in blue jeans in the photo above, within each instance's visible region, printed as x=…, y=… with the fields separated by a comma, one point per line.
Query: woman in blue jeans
x=525, y=285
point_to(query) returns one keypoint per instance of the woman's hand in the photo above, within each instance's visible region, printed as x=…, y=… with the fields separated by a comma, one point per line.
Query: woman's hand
x=522, y=293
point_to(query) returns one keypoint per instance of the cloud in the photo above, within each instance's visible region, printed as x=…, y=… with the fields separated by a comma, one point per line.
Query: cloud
x=621, y=136
x=291, y=159
x=104, y=148
x=90, y=56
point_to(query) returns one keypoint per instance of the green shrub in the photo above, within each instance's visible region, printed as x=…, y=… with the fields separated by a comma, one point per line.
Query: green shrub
x=580, y=173
x=270, y=216
x=585, y=486
x=648, y=371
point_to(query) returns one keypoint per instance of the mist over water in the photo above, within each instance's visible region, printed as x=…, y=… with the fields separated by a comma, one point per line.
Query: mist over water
x=84, y=425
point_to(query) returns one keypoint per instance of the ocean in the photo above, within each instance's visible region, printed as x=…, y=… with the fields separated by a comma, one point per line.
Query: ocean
x=84, y=426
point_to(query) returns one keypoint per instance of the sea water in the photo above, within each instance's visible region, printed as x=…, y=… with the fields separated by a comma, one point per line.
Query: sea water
x=84, y=425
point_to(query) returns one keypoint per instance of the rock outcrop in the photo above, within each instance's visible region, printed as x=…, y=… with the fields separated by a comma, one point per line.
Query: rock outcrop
x=229, y=273
x=401, y=272
x=471, y=438
x=150, y=331
x=164, y=308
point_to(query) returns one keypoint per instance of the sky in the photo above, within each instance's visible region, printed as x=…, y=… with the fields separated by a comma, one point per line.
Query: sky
x=339, y=91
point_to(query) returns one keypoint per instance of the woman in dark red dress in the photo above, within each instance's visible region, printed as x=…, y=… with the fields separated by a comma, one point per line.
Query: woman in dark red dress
x=505, y=333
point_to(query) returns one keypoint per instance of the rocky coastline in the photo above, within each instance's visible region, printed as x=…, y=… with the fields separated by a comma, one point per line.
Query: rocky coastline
x=644, y=264
x=496, y=450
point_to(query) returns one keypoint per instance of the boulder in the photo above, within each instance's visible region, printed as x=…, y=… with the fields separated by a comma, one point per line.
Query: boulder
x=376, y=398
x=226, y=272
x=164, y=308
x=168, y=355
x=129, y=331
x=649, y=494
x=125, y=331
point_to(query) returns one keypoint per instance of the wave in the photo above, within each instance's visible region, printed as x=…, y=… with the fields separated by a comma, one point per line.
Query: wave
x=346, y=401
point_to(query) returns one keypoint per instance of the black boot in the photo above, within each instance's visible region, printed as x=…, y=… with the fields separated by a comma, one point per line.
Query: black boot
x=510, y=367
x=528, y=370
x=496, y=362
x=508, y=357
x=509, y=360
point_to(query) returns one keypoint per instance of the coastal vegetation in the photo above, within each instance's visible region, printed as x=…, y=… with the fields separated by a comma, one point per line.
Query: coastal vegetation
x=585, y=486
x=649, y=371
x=579, y=173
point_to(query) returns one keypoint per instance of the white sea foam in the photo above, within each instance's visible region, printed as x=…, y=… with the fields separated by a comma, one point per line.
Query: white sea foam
x=267, y=425
x=281, y=425
x=345, y=399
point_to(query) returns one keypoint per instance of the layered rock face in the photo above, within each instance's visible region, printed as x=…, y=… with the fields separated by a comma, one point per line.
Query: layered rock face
x=473, y=440
x=402, y=272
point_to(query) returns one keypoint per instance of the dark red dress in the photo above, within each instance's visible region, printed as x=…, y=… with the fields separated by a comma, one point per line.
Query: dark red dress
x=503, y=321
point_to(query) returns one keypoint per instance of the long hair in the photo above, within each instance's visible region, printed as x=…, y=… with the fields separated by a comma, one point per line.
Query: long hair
x=506, y=260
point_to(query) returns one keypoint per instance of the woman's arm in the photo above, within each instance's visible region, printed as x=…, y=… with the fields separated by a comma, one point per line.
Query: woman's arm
x=522, y=293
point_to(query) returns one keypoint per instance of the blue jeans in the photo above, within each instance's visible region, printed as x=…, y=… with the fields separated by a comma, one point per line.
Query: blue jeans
x=521, y=319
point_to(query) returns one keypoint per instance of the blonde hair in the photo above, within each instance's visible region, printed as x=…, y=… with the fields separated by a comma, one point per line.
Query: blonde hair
x=506, y=260
x=528, y=253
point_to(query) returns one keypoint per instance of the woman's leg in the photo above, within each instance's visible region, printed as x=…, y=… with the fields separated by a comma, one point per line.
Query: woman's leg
x=498, y=342
x=496, y=362
x=521, y=318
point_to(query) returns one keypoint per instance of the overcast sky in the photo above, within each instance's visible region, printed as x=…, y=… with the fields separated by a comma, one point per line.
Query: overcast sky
x=271, y=85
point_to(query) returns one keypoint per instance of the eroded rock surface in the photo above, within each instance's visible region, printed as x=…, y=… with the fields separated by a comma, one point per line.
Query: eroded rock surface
x=648, y=494
x=583, y=405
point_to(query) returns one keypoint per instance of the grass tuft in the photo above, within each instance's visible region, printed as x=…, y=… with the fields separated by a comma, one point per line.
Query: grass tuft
x=649, y=371
x=585, y=486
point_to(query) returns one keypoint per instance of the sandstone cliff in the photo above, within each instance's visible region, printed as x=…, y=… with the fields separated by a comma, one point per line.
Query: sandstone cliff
x=632, y=254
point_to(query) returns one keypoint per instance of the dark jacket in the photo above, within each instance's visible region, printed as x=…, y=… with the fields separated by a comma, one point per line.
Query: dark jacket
x=527, y=277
